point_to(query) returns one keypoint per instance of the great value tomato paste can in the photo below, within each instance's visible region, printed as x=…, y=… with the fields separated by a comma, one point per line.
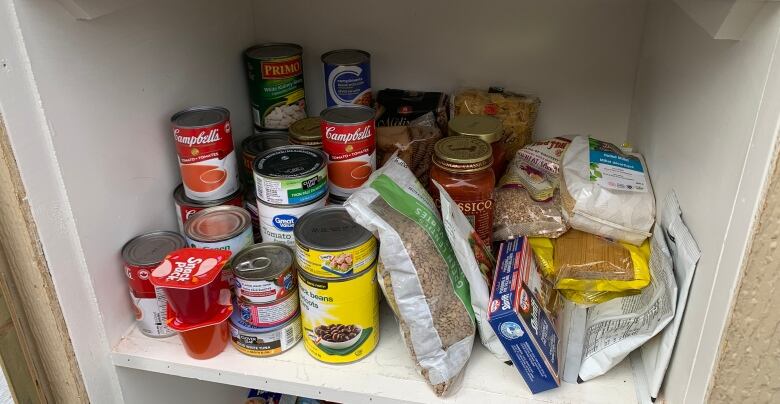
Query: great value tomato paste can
x=275, y=74
x=349, y=141
x=347, y=77
x=186, y=207
x=141, y=256
x=207, y=159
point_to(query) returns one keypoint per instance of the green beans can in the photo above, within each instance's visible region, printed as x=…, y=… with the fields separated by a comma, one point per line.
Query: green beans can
x=275, y=74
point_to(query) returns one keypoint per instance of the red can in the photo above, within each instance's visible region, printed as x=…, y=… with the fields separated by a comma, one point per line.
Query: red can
x=207, y=159
x=186, y=207
x=349, y=141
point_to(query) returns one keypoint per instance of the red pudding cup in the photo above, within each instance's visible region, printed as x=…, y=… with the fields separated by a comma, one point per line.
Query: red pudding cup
x=191, y=280
x=205, y=340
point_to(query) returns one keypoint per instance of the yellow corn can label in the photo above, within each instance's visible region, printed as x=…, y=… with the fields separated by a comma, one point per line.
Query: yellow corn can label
x=337, y=264
x=340, y=318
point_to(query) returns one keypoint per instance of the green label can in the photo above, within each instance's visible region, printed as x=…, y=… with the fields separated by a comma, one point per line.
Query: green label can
x=275, y=73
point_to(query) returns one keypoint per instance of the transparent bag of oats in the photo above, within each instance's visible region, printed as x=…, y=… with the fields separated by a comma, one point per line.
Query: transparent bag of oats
x=419, y=273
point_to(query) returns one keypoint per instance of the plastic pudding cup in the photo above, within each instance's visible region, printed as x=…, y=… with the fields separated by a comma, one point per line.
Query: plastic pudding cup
x=206, y=342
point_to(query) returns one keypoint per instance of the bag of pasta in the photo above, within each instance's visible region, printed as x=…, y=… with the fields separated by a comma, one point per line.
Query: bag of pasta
x=517, y=112
x=419, y=273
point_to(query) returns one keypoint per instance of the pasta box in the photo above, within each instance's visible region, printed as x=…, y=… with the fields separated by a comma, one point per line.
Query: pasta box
x=519, y=320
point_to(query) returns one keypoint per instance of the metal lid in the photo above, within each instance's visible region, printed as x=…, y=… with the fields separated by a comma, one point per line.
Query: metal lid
x=262, y=141
x=329, y=229
x=217, y=223
x=348, y=114
x=151, y=248
x=462, y=154
x=199, y=117
x=262, y=261
x=485, y=127
x=182, y=199
x=306, y=130
x=274, y=51
x=345, y=57
x=289, y=162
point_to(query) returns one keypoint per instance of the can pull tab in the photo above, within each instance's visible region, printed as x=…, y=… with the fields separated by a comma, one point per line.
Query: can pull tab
x=255, y=264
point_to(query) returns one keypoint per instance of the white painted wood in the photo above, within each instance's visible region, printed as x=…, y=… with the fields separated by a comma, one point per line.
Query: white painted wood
x=387, y=375
x=89, y=9
x=705, y=114
x=141, y=387
x=723, y=19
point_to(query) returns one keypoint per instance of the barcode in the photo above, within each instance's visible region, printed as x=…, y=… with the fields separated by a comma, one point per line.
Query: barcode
x=288, y=335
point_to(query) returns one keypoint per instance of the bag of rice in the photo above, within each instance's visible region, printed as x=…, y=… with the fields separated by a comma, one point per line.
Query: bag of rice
x=419, y=273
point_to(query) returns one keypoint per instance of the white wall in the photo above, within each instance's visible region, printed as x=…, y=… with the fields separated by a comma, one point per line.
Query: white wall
x=705, y=115
x=578, y=56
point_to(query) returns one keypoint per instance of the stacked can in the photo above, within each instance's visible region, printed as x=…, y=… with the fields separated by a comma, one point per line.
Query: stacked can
x=266, y=320
x=289, y=181
x=252, y=146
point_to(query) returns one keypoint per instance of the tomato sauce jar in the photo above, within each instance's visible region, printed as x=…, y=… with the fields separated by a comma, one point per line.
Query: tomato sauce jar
x=487, y=128
x=462, y=165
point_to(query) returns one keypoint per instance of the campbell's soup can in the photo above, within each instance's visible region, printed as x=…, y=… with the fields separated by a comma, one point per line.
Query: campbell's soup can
x=275, y=74
x=141, y=255
x=186, y=207
x=207, y=159
x=347, y=77
x=349, y=142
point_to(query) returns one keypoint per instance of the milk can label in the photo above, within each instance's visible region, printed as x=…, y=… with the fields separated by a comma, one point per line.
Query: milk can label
x=351, y=151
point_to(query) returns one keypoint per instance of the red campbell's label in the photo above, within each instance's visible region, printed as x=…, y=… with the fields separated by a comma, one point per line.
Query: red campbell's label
x=194, y=145
x=351, y=151
x=281, y=69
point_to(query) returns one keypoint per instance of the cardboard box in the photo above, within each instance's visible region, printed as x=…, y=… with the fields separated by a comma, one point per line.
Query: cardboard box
x=520, y=322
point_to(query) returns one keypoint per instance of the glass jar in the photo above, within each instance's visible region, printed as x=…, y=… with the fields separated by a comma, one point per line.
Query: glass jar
x=486, y=128
x=306, y=132
x=462, y=165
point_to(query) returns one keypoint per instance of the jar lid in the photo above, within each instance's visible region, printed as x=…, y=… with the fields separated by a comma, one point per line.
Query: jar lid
x=306, y=130
x=462, y=154
x=484, y=127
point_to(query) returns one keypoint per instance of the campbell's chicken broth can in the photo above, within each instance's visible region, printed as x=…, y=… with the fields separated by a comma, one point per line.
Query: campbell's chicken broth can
x=349, y=141
x=207, y=159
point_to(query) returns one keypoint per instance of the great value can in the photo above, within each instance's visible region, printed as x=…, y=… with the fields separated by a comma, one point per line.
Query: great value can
x=141, y=256
x=277, y=222
x=275, y=73
x=204, y=145
x=263, y=342
x=268, y=314
x=329, y=244
x=347, y=77
x=263, y=273
x=252, y=146
x=186, y=207
x=220, y=228
x=290, y=175
x=340, y=317
x=349, y=141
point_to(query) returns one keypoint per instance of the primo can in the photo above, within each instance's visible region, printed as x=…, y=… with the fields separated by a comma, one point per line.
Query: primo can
x=275, y=74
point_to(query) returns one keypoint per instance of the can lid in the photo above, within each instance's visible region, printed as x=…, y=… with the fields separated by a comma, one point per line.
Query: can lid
x=262, y=261
x=487, y=128
x=330, y=228
x=264, y=140
x=151, y=248
x=348, y=114
x=345, y=57
x=462, y=154
x=199, y=117
x=182, y=199
x=273, y=50
x=306, y=130
x=217, y=223
x=289, y=162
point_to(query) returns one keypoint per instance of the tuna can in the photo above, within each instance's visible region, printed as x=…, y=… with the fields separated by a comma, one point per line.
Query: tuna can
x=250, y=204
x=349, y=142
x=306, y=132
x=186, y=207
x=269, y=314
x=252, y=146
x=347, y=77
x=340, y=317
x=142, y=255
x=220, y=228
x=263, y=273
x=290, y=175
x=275, y=74
x=263, y=342
x=277, y=222
x=331, y=245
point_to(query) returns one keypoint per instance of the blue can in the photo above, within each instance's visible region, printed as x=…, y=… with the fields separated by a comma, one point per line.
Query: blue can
x=347, y=77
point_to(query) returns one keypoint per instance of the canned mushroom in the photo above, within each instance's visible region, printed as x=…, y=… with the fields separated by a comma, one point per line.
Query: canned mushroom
x=263, y=342
x=263, y=273
x=269, y=314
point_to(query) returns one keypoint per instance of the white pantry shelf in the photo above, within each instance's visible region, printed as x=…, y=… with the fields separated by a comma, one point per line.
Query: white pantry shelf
x=386, y=376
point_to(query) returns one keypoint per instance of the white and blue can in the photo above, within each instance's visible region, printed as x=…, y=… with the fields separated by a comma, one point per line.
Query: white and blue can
x=347, y=77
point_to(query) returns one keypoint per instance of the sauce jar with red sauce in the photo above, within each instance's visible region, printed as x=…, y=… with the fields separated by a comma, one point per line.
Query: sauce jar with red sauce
x=463, y=166
x=487, y=128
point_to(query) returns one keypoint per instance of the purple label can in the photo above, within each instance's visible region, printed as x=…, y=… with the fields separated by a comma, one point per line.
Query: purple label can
x=347, y=77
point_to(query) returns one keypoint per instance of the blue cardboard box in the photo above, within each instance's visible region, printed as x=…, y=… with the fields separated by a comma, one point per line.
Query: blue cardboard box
x=520, y=322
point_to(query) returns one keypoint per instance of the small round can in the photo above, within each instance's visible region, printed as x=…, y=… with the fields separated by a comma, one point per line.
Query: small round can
x=290, y=175
x=186, y=207
x=269, y=314
x=263, y=273
x=220, y=228
x=250, y=204
x=264, y=342
x=349, y=142
x=252, y=146
x=306, y=132
x=347, y=77
x=275, y=73
x=277, y=222
x=329, y=244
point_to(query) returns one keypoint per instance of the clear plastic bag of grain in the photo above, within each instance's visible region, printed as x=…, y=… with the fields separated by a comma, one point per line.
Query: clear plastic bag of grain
x=419, y=273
